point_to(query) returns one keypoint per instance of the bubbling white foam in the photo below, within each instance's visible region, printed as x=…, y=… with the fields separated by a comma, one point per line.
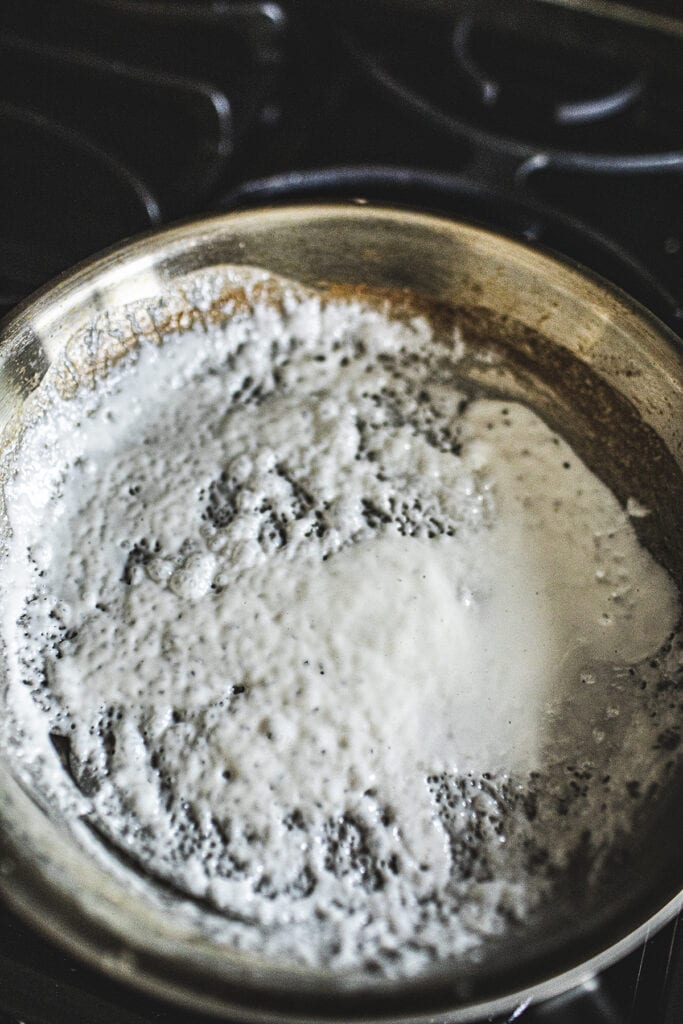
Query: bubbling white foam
x=310, y=635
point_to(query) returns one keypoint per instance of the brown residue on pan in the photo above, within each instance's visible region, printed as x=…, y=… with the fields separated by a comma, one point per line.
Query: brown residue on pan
x=520, y=362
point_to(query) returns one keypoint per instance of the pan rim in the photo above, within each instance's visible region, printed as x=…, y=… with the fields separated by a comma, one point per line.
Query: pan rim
x=41, y=312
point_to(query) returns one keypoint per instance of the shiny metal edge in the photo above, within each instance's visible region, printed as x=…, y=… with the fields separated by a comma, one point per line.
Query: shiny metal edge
x=627, y=13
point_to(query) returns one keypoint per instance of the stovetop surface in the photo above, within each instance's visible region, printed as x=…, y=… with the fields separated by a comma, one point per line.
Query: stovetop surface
x=547, y=121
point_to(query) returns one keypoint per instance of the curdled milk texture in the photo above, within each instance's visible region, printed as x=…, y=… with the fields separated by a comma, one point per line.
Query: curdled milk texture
x=312, y=635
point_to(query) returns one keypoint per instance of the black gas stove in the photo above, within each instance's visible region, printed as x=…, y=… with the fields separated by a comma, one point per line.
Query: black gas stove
x=556, y=121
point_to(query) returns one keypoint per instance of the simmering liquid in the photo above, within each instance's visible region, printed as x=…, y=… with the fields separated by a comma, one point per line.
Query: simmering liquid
x=358, y=659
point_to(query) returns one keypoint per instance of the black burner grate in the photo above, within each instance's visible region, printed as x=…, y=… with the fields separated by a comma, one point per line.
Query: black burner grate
x=110, y=122
x=593, y=133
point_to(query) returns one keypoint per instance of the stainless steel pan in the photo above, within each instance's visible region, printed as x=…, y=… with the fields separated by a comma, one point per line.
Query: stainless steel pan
x=597, y=367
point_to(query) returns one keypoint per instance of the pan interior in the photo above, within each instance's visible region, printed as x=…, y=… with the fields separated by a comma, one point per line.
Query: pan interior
x=481, y=356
